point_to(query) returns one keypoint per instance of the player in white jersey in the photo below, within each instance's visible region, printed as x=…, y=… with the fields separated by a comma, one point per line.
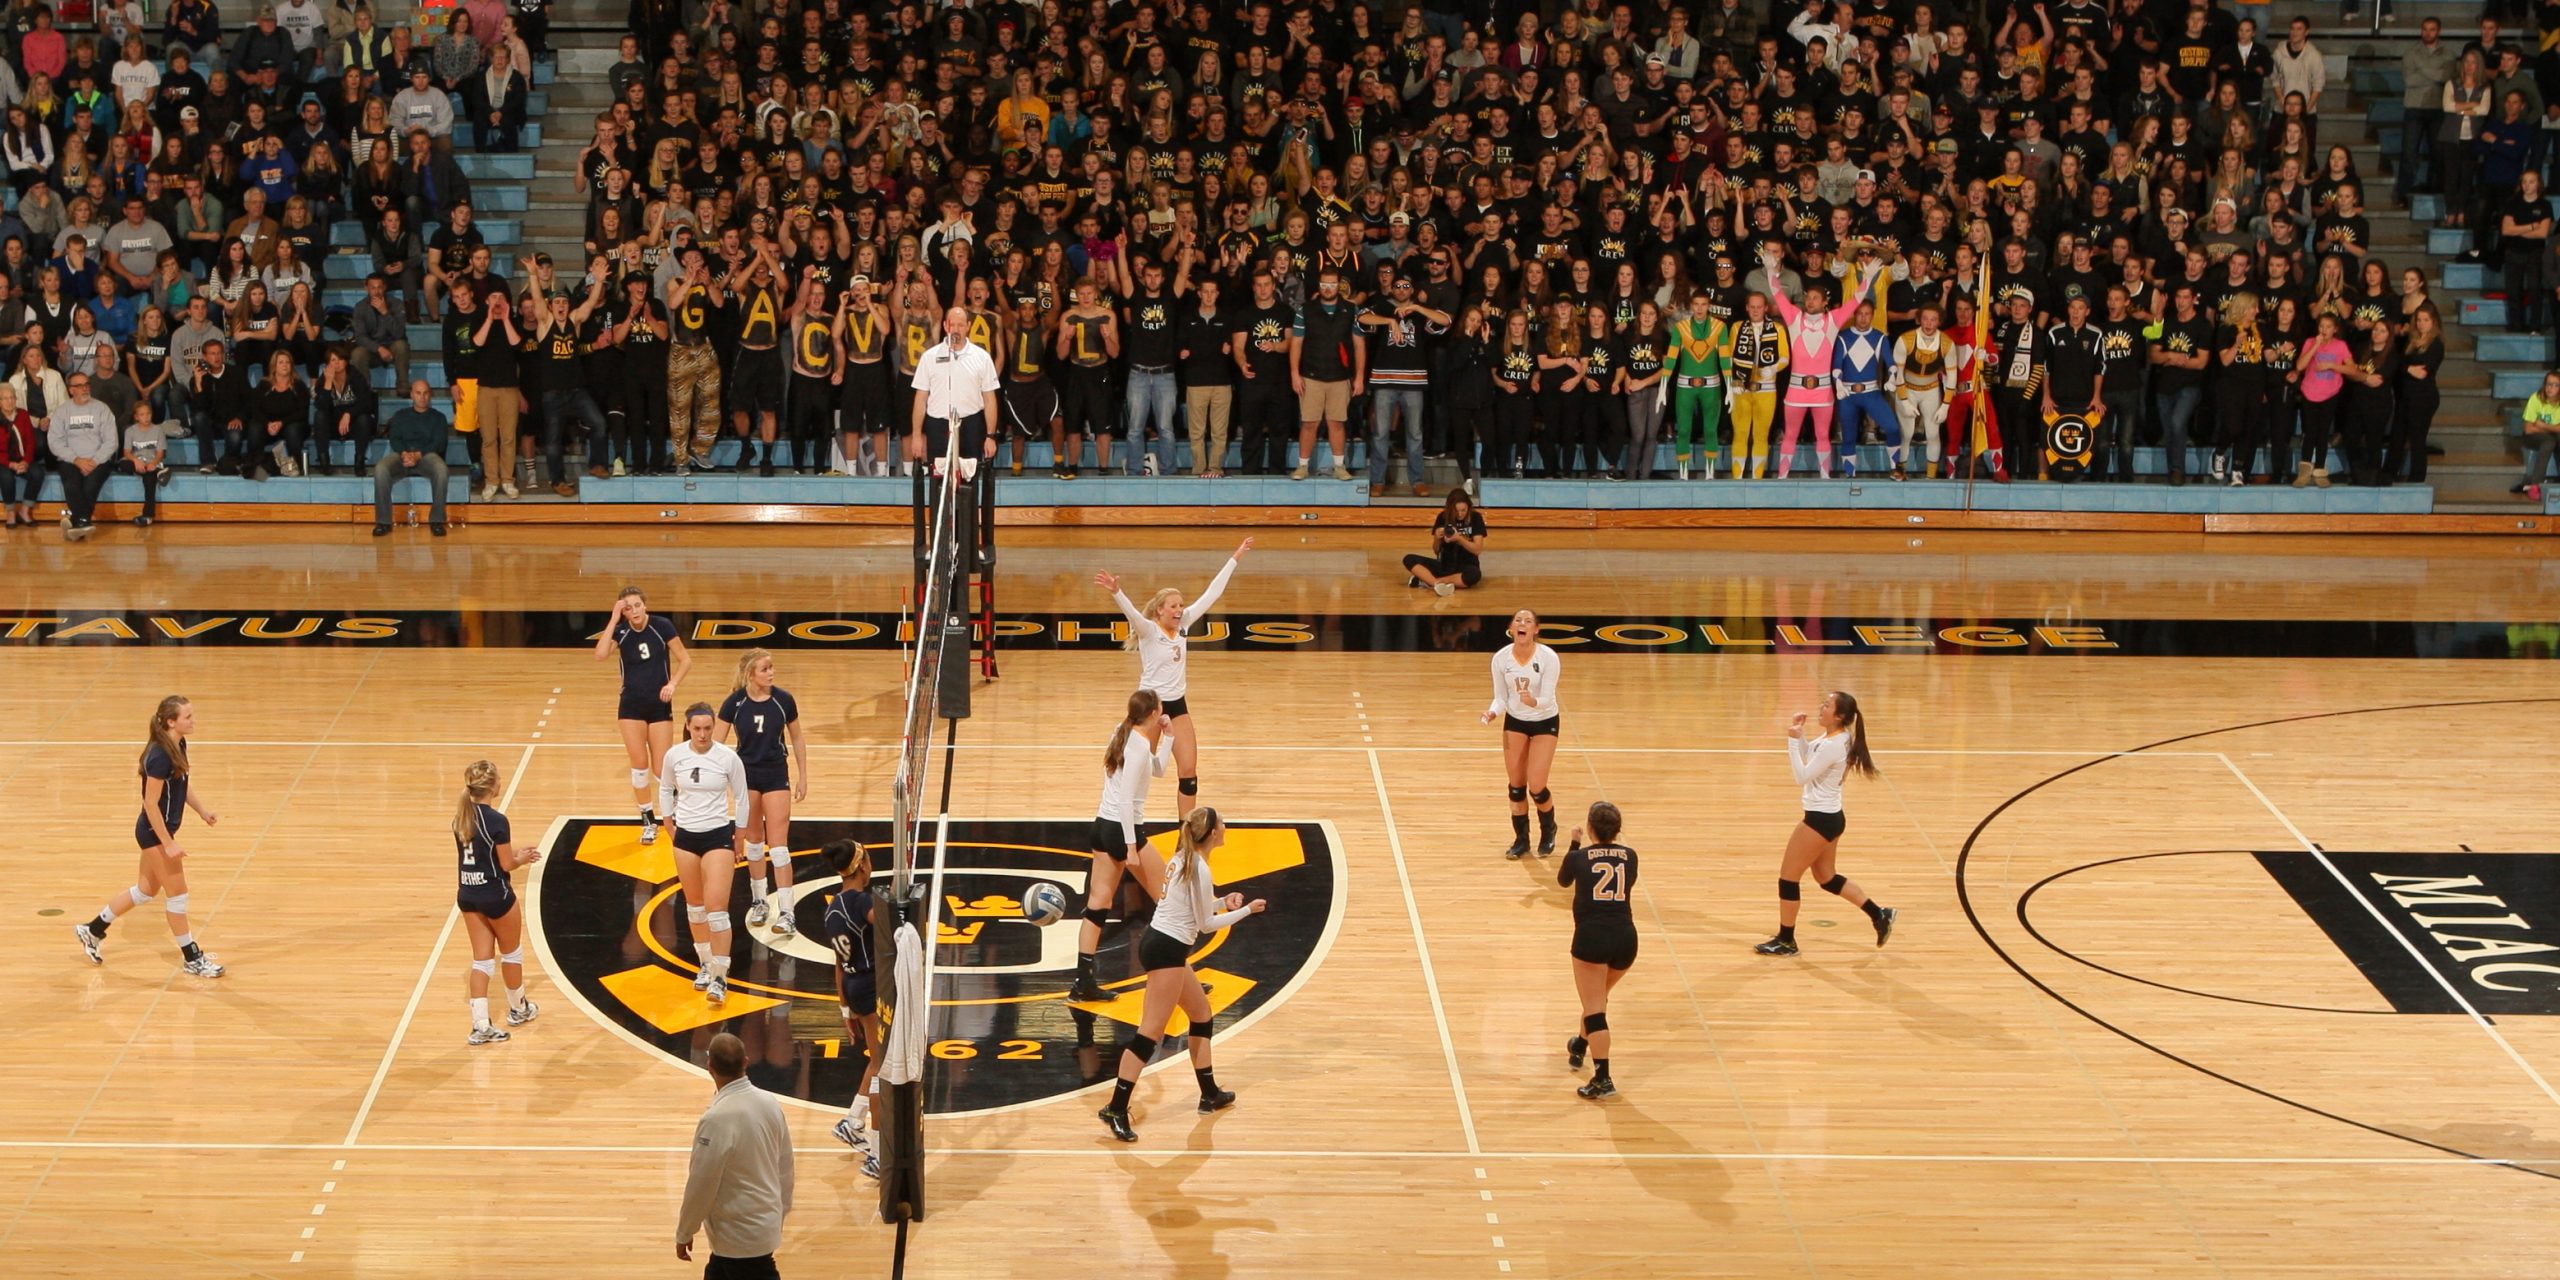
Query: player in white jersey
x=1141, y=748
x=1159, y=635
x=1822, y=760
x=1524, y=697
x=702, y=786
x=1188, y=907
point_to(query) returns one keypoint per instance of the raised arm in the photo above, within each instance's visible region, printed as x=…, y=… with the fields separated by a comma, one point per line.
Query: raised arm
x=1199, y=608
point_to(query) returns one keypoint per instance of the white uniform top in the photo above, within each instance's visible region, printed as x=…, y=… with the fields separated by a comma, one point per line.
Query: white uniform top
x=1124, y=793
x=701, y=790
x=1162, y=666
x=1820, y=765
x=1537, y=676
x=955, y=383
x=1189, y=899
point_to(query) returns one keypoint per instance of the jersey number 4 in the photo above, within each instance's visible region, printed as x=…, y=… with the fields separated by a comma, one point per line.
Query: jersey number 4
x=1609, y=883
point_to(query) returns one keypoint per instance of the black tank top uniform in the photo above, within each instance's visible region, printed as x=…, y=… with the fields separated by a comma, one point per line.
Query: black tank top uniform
x=849, y=931
x=1603, y=880
x=645, y=667
x=173, y=794
x=762, y=742
x=482, y=886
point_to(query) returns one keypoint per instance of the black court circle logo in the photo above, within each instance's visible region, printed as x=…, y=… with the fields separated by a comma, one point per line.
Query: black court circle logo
x=609, y=924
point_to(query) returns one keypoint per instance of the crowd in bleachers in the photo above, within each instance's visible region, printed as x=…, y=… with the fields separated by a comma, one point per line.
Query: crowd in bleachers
x=174, y=195
x=1605, y=239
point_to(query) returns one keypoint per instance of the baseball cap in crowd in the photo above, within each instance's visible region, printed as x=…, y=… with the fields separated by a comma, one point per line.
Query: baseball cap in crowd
x=1399, y=219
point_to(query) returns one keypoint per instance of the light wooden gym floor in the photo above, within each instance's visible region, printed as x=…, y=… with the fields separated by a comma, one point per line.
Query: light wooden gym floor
x=1970, y=1101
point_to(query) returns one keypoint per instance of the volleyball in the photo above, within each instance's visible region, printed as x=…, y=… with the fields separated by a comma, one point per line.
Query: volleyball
x=1045, y=904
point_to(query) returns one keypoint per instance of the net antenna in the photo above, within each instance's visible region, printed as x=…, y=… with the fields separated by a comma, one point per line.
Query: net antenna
x=903, y=920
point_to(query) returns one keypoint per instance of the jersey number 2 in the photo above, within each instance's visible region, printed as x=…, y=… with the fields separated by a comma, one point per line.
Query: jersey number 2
x=1609, y=883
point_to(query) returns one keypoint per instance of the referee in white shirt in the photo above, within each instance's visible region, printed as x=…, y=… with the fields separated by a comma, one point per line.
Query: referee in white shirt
x=955, y=379
x=740, y=1185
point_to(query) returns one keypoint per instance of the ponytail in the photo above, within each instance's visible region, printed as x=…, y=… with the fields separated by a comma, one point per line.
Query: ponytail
x=164, y=735
x=1859, y=760
x=1143, y=706
x=1188, y=841
x=479, y=781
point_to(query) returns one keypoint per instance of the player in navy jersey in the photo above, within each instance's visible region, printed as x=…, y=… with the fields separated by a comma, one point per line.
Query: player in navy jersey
x=167, y=794
x=767, y=724
x=484, y=852
x=1603, y=879
x=653, y=664
x=848, y=930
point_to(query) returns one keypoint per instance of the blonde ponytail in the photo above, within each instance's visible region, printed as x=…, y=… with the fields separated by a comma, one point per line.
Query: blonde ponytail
x=746, y=663
x=479, y=782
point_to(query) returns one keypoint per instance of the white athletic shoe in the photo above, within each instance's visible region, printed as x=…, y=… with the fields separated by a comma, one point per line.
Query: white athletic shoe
x=871, y=1166
x=717, y=992
x=518, y=1015
x=90, y=943
x=649, y=830
x=487, y=1035
x=205, y=966
x=850, y=1134
x=756, y=914
x=782, y=925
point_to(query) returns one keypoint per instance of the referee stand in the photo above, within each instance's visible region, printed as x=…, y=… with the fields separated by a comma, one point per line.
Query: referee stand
x=974, y=537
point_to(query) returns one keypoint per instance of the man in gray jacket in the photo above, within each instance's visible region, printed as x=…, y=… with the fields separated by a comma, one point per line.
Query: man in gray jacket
x=739, y=1187
x=85, y=437
x=2424, y=67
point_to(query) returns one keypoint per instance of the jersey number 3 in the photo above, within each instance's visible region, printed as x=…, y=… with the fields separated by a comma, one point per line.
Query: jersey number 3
x=644, y=652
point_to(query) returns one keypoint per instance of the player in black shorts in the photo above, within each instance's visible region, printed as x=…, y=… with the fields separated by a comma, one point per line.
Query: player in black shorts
x=1824, y=749
x=166, y=797
x=848, y=927
x=653, y=664
x=486, y=895
x=1602, y=876
x=767, y=724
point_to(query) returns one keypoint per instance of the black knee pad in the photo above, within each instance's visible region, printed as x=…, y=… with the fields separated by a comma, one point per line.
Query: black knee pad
x=1203, y=1027
x=1519, y=794
x=1097, y=916
x=1790, y=891
x=1190, y=786
x=1541, y=795
x=1833, y=884
x=1594, y=1023
x=1144, y=1047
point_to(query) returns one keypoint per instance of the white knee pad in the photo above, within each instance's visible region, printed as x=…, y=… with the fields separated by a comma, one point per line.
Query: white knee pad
x=177, y=904
x=719, y=922
x=696, y=914
x=755, y=853
x=139, y=895
x=515, y=957
x=639, y=779
x=485, y=968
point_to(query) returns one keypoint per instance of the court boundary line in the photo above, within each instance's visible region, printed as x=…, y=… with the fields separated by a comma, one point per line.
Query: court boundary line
x=1422, y=952
x=1098, y=1152
x=426, y=975
x=2321, y=856
x=1292, y=749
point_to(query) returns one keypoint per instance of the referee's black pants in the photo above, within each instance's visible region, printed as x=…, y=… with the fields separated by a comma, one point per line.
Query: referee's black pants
x=973, y=436
x=757, y=1268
